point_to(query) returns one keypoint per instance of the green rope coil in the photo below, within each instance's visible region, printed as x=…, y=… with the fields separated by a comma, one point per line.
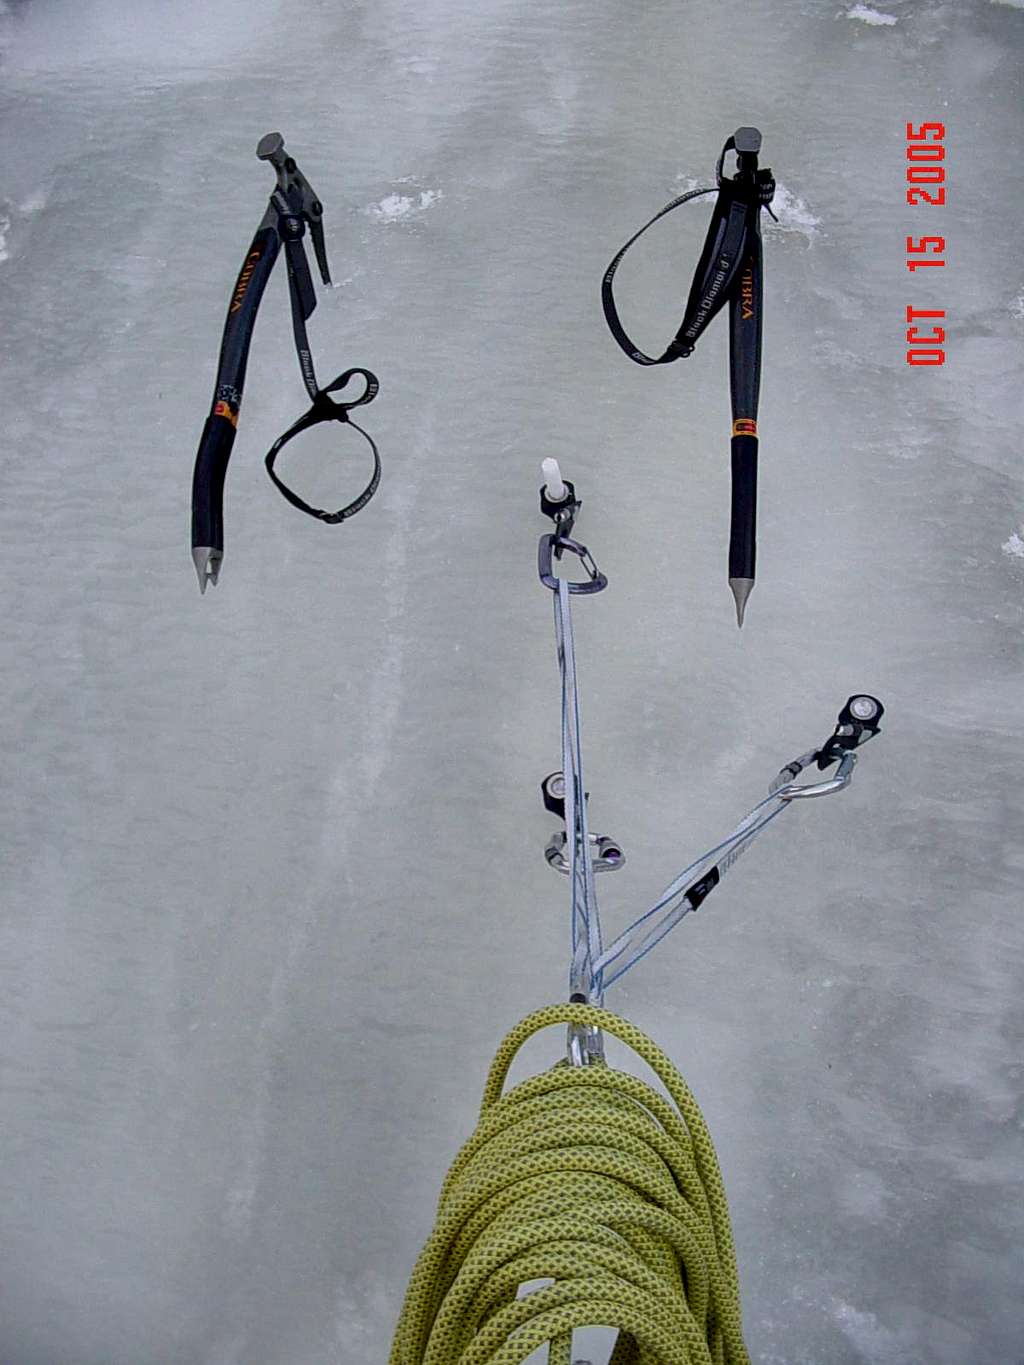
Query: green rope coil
x=590, y=1179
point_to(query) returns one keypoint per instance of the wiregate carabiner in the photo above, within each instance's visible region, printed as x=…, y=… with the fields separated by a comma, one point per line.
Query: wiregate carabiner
x=792, y=791
x=555, y=544
x=584, y=1043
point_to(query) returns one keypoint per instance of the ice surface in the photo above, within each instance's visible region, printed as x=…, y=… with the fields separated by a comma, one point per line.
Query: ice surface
x=273, y=883
x=867, y=15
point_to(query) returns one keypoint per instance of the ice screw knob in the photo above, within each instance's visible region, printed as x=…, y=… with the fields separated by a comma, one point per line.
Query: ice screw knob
x=553, y=486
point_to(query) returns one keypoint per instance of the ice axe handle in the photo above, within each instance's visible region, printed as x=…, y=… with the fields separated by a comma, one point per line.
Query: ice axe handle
x=208, y=482
x=743, y=532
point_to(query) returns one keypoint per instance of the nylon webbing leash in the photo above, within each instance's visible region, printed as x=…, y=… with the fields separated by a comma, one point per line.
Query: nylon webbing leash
x=293, y=206
x=729, y=271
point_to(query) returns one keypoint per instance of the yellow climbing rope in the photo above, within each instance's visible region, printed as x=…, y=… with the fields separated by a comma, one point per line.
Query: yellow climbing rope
x=588, y=1179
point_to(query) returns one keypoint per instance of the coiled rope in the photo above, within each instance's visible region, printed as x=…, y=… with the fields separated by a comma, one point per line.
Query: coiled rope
x=589, y=1179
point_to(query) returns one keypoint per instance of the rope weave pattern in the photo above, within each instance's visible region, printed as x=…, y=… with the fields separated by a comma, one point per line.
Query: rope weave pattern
x=590, y=1179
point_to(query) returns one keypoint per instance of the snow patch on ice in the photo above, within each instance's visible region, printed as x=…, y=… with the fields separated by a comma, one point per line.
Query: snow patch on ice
x=145, y=36
x=863, y=1195
x=866, y=15
x=1010, y=4
x=356, y=1315
x=910, y=444
x=1015, y=545
x=6, y=20
x=12, y=215
x=685, y=183
x=791, y=211
x=793, y=215
x=35, y=202
x=396, y=208
x=1017, y=306
x=869, y=1336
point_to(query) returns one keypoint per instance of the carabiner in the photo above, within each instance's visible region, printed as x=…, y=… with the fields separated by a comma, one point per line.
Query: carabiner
x=584, y=1044
x=794, y=791
x=606, y=854
x=549, y=545
x=859, y=721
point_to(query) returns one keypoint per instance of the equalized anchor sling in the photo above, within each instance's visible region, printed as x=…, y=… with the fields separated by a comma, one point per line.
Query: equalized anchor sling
x=595, y=966
x=730, y=270
x=292, y=207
